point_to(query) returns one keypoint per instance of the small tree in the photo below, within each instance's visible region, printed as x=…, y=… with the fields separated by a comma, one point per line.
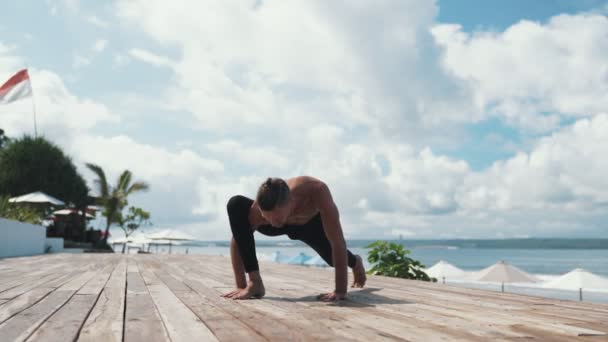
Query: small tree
x=114, y=198
x=135, y=218
x=390, y=259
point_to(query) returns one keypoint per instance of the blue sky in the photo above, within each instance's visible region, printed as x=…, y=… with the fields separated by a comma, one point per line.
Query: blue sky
x=434, y=119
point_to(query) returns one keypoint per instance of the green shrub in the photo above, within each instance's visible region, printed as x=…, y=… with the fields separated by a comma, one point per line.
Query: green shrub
x=390, y=259
x=21, y=213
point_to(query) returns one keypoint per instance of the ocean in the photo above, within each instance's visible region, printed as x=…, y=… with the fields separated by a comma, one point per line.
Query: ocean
x=545, y=258
x=536, y=256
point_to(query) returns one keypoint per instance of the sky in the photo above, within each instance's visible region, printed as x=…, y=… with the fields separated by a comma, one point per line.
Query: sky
x=426, y=119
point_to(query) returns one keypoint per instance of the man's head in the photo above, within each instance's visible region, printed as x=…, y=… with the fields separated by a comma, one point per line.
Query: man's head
x=272, y=198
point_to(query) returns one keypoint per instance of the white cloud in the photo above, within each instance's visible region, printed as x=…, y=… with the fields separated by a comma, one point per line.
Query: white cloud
x=100, y=45
x=235, y=64
x=563, y=171
x=57, y=109
x=149, y=57
x=85, y=58
x=94, y=20
x=285, y=89
x=531, y=74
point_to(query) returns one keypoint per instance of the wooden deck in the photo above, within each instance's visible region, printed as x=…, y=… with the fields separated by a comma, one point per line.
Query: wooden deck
x=113, y=297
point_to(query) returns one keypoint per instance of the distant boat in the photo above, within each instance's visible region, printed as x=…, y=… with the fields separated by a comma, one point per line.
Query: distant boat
x=286, y=244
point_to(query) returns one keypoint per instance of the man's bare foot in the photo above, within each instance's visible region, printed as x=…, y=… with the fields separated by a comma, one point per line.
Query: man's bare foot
x=359, y=273
x=253, y=290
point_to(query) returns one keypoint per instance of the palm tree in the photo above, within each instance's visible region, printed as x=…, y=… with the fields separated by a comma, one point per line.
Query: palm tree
x=114, y=199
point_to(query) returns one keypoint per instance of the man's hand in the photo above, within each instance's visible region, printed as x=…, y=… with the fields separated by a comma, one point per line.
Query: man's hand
x=332, y=296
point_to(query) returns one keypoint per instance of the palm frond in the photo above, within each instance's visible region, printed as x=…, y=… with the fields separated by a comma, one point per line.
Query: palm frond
x=101, y=181
x=124, y=180
x=137, y=187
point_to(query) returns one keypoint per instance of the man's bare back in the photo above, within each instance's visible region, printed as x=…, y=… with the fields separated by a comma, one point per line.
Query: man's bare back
x=302, y=188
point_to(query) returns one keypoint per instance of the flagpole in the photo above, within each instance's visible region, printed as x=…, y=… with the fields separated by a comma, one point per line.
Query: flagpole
x=33, y=108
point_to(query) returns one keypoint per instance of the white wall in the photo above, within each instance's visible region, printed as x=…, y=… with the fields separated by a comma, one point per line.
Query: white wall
x=19, y=239
x=55, y=244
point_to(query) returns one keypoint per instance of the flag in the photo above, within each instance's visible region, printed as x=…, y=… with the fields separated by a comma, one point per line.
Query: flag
x=16, y=88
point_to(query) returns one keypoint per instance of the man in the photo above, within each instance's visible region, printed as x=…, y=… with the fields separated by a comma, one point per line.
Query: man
x=301, y=208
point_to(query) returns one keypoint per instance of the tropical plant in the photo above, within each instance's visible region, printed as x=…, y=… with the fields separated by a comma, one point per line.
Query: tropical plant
x=19, y=213
x=114, y=198
x=390, y=259
x=35, y=164
x=135, y=218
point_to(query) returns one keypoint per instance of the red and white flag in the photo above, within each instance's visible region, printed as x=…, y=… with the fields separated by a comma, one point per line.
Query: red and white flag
x=16, y=88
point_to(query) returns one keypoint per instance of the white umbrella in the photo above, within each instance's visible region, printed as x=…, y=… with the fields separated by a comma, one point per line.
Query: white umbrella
x=578, y=279
x=70, y=212
x=168, y=235
x=122, y=240
x=140, y=239
x=444, y=269
x=503, y=272
x=36, y=197
x=316, y=261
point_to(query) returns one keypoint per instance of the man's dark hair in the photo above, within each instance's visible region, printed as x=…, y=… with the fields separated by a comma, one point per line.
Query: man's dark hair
x=273, y=193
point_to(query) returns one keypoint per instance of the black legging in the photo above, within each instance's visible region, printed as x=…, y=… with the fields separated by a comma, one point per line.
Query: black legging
x=311, y=233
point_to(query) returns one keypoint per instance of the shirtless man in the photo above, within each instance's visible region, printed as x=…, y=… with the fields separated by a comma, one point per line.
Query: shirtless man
x=301, y=208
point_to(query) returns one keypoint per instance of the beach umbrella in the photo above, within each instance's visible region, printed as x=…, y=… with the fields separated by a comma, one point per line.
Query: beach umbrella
x=71, y=212
x=299, y=259
x=579, y=279
x=169, y=235
x=503, y=272
x=444, y=269
x=316, y=261
x=122, y=240
x=36, y=197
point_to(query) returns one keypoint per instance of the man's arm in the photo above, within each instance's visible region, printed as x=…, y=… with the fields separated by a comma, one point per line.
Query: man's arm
x=333, y=230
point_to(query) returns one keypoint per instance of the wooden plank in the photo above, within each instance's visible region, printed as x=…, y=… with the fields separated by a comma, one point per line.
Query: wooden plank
x=97, y=283
x=23, y=324
x=77, y=282
x=142, y=320
x=119, y=275
x=297, y=316
x=306, y=320
x=16, y=291
x=223, y=325
x=465, y=303
x=23, y=302
x=251, y=318
x=181, y=323
x=64, y=324
x=548, y=328
x=385, y=325
x=105, y=322
x=497, y=317
x=20, y=326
